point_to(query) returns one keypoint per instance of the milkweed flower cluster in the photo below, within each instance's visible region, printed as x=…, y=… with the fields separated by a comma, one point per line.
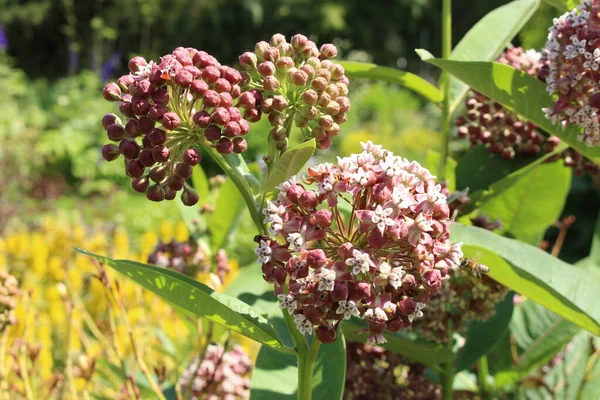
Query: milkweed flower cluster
x=377, y=374
x=499, y=129
x=9, y=291
x=220, y=375
x=368, y=237
x=172, y=107
x=468, y=295
x=572, y=73
x=295, y=82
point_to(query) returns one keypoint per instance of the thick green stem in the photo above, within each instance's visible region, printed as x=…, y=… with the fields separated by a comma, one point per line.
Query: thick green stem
x=448, y=381
x=482, y=375
x=306, y=363
x=445, y=82
x=244, y=181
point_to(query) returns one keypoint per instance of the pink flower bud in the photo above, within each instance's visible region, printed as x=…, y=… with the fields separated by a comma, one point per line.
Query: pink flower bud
x=125, y=81
x=183, y=170
x=252, y=114
x=211, y=99
x=202, y=119
x=170, y=120
x=328, y=51
x=170, y=194
x=277, y=39
x=266, y=68
x=339, y=292
x=189, y=197
x=308, y=199
x=284, y=64
x=244, y=126
x=145, y=125
x=184, y=78
x=136, y=63
x=140, y=184
x=270, y=83
x=161, y=96
x=324, y=218
x=239, y=145
x=299, y=78
x=192, y=157
x=224, y=146
x=299, y=41
x=155, y=193
x=294, y=193
x=175, y=182
x=271, y=54
x=157, y=136
x=157, y=111
x=110, y=119
x=160, y=154
x=129, y=148
x=233, y=76
x=326, y=334
x=111, y=92
x=232, y=129
x=198, y=88
x=247, y=100
x=248, y=60
x=407, y=306
x=319, y=84
x=212, y=133
x=359, y=291
x=323, y=144
x=220, y=116
x=226, y=99
x=146, y=158
x=116, y=132
x=139, y=105
x=158, y=174
x=134, y=169
x=222, y=85
x=211, y=74
x=110, y=152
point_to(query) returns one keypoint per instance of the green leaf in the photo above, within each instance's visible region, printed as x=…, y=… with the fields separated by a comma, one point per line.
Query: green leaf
x=432, y=163
x=290, y=163
x=410, y=81
x=486, y=40
x=200, y=182
x=198, y=299
x=569, y=291
x=517, y=91
x=529, y=206
x=483, y=335
x=225, y=219
x=564, y=5
x=250, y=287
x=275, y=375
x=426, y=353
x=539, y=333
x=594, y=257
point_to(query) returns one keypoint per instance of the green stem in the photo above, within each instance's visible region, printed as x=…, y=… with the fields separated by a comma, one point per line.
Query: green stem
x=299, y=340
x=306, y=362
x=482, y=375
x=448, y=381
x=244, y=181
x=445, y=82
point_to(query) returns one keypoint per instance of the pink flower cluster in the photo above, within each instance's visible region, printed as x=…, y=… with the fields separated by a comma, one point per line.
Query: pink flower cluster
x=296, y=82
x=368, y=237
x=172, y=107
x=221, y=375
x=501, y=130
x=572, y=71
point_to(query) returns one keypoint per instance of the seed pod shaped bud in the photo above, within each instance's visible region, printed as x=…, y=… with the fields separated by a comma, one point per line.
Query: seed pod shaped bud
x=328, y=51
x=222, y=85
x=334, y=130
x=333, y=91
x=299, y=41
x=326, y=121
x=281, y=145
x=157, y=136
x=158, y=173
x=248, y=60
x=323, y=144
x=134, y=169
x=116, y=132
x=240, y=145
x=157, y=111
x=211, y=99
x=140, y=184
x=220, y=116
x=266, y=68
x=160, y=154
x=161, y=96
x=299, y=78
x=144, y=88
x=146, y=158
x=344, y=104
x=308, y=199
x=111, y=92
x=175, y=182
x=337, y=73
x=278, y=133
x=126, y=108
x=407, y=306
x=212, y=133
x=324, y=218
x=232, y=129
x=323, y=73
x=136, y=63
x=310, y=97
x=342, y=88
x=359, y=291
x=319, y=84
x=326, y=334
x=252, y=115
x=310, y=113
x=284, y=64
x=110, y=152
x=277, y=39
x=276, y=118
x=271, y=54
x=234, y=114
x=202, y=119
x=192, y=157
x=198, y=88
x=232, y=75
x=270, y=83
x=244, y=126
x=183, y=170
x=189, y=197
x=332, y=108
x=170, y=194
x=318, y=133
x=155, y=193
x=110, y=119
x=140, y=105
x=170, y=120
x=226, y=99
x=224, y=145
x=129, y=148
x=247, y=100
x=340, y=118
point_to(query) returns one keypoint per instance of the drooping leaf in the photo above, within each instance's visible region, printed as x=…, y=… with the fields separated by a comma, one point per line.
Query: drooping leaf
x=564, y=5
x=290, y=163
x=517, y=91
x=275, y=375
x=488, y=38
x=529, y=206
x=198, y=299
x=481, y=336
x=540, y=334
x=410, y=81
x=228, y=211
x=567, y=290
x=429, y=354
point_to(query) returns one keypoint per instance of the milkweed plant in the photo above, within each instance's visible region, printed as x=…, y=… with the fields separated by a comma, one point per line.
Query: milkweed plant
x=422, y=260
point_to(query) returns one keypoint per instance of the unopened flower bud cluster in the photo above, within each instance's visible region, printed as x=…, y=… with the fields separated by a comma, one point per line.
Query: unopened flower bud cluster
x=298, y=83
x=171, y=108
x=220, y=375
x=572, y=70
x=189, y=259
x=368, y=237
x=377, y=374
x=9, y=291
x=499, y=129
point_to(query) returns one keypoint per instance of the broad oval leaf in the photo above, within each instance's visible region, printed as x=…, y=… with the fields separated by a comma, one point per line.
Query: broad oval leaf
x=198, y=299
x=528, y=207
x=426, y=353
x=290, y=163
x=569, y=291
x=486, y=40
x=564, y=5
x=517, y=91
x=228, y=211
x=410, y=81
x=275, y=375
x=481, y=336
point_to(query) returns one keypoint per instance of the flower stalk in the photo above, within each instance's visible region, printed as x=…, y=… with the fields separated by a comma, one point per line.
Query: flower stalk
x=445, y=82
